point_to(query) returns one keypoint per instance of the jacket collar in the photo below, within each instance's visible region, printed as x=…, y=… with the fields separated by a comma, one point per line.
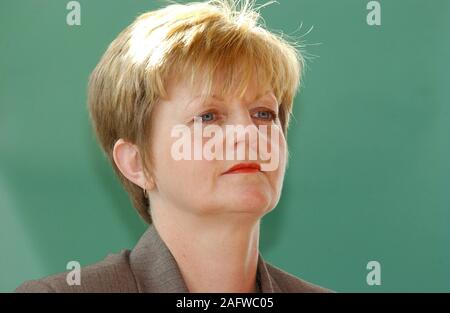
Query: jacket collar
x=156, y=270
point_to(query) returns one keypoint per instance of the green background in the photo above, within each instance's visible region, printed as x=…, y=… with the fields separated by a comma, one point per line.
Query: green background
x=369, y=172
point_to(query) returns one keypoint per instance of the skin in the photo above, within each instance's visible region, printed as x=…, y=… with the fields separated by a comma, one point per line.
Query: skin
x=210, y=221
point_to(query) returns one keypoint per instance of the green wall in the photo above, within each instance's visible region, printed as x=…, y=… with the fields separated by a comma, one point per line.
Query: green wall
x=369, y=172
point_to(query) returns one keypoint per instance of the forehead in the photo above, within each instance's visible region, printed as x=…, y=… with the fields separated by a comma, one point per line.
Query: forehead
x=181, y=88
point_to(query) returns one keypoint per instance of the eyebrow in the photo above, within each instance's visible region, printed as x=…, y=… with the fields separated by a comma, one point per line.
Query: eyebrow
x=214, y=96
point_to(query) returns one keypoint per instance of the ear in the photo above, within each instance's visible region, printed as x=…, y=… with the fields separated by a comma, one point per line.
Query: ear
x=128, y=160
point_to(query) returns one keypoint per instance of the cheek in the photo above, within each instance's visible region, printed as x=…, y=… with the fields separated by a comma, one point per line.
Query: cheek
x=283, y=157
x=186, y=178
x=276, y=176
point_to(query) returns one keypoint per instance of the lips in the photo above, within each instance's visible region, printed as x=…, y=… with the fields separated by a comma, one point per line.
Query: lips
x=244, y=168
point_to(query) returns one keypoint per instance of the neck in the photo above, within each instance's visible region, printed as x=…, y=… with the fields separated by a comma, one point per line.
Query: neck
x=214, y=253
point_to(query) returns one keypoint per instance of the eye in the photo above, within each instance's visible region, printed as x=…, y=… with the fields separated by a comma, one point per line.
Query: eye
x=265, y=115
x=207, y=117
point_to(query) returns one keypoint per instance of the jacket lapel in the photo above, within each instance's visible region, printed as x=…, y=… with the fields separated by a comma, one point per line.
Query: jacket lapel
x=153, y=265
x=267, y=283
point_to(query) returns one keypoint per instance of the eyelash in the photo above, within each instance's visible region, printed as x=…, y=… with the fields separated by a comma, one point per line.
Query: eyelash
x=272, y=113
x=273, y=117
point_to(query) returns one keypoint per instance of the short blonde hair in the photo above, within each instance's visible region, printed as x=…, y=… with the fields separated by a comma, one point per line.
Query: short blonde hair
x=193, y=41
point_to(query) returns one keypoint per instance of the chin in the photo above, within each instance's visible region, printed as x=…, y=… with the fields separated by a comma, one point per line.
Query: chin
x=252, y=200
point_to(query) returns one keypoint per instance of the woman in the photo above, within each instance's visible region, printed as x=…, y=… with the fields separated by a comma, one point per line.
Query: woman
x=210, y=70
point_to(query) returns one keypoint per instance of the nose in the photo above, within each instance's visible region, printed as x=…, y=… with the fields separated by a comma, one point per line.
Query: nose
x=242, y=134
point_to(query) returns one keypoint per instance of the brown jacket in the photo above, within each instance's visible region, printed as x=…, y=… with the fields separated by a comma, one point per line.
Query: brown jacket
x=150, y=267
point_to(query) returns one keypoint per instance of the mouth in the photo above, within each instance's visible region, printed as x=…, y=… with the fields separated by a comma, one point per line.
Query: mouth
x=244, y=168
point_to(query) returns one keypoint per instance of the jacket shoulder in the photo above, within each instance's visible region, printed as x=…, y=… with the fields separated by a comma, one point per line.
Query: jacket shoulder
x=291, y=284
x=112, y=274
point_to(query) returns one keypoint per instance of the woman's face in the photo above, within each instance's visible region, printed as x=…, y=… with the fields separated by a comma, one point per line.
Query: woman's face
x=203, y=186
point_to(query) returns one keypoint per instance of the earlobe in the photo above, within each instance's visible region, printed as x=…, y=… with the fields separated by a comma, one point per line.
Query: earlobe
x=127, y=159
x=150, y=184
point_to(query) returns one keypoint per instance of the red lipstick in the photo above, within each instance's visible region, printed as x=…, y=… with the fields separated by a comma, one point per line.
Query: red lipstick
x=244, y=168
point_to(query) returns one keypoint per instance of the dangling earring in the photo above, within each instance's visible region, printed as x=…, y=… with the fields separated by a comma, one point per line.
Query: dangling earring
x=145, y=193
